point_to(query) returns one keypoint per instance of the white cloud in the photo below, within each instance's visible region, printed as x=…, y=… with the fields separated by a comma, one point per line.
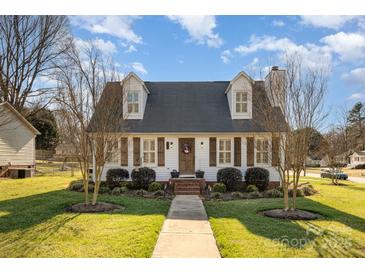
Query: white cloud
x=278, y=23
x=200, y=29
x=106, y=47
x=326, y=21
x=355, y=77
x=312, y=55
x=357, y=96
x=130, y=49
x=118, y=26
x=138, y=67
x=226, y=56
x=349, y=46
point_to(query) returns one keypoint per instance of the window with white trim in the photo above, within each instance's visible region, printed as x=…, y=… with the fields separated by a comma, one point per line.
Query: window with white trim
x=224, y=151
x=241, y=102
x=133, y=101
x=112, y=151
x=262, y=151
x=149, y=151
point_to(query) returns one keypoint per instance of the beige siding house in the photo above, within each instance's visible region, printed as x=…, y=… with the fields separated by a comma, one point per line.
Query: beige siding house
x=17, y=144
x=189, y=126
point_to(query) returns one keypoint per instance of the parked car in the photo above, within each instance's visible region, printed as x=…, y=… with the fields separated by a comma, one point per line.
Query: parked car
x=333, y=173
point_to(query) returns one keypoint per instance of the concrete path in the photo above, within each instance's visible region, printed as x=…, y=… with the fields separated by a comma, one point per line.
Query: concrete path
x=186, y=233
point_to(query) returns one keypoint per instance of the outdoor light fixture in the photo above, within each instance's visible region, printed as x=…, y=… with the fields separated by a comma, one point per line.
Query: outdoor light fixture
x=169, y=145
x=202, y=144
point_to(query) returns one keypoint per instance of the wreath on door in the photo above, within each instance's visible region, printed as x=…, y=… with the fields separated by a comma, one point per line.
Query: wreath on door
x=186, y=149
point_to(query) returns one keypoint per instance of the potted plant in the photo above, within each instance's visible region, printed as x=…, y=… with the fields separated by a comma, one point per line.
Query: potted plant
x=199, y=174
x=175, y=174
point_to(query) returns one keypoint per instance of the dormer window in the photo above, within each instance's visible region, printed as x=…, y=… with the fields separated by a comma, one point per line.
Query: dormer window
x=241, y=102
x=133, y=102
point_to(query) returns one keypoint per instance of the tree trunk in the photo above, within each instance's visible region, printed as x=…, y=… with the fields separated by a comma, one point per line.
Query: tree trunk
x=96, y=192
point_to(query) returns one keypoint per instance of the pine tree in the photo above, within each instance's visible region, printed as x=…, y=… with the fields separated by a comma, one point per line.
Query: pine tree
x=356, y=119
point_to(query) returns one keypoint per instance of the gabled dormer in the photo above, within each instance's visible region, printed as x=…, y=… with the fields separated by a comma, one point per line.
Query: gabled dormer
x=135, y=97
x=239, y=96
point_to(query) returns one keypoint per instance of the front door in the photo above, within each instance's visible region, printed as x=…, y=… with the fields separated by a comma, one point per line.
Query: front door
x=187, y=156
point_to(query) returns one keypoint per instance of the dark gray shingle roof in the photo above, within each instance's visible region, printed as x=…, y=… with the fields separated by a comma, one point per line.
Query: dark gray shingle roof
x=183, y=107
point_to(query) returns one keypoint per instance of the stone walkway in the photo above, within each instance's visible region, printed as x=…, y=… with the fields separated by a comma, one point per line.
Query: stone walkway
x=186, y=232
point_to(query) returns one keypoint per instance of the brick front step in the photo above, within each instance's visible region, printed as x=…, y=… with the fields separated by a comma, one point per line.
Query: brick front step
x=187, y=192
x=185, y=186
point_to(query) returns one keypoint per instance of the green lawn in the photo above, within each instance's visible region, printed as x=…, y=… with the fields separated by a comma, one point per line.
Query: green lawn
x=33, y=222
x=241, y=232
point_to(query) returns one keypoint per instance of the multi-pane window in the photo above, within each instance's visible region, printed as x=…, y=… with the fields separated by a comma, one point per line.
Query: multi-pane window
x=112, y=151
x=224, y=151
x=133, y=102
x=262, y=151
x=149, y=151
x=241, y=101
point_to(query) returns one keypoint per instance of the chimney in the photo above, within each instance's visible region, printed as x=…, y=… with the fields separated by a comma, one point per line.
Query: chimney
x=274, y=86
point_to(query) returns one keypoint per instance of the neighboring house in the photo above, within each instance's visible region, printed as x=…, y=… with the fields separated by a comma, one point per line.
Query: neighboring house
x=357, y=158
x=189, y=126
x=65, y=151
x=17, y=144
x=310, y=162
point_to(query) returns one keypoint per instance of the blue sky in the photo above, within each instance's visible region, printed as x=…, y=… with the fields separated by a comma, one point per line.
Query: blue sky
x=194, y=48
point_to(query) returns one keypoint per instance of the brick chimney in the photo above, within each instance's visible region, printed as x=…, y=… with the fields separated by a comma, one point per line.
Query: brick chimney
x=274, y=86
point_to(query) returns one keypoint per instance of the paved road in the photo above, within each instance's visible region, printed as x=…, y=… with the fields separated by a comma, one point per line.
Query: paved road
x=186, y=233
x=360, y=180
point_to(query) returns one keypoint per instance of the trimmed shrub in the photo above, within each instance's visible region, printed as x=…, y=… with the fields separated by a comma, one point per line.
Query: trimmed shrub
x=300, y=192
x=141, y=192
x=237, y=195
x=361, y=166
x=231, y=177
x=308, y=191
x=76, y=186
x=257, y=176
x=254, y=195
x=115, y=177
x=216, y=195
x=199, y=174
x=219, y=187
x=130, y=185
x=142, y=177
x=280, y=188
x=116, y=191
x=252, y=188
x=159, y=193
x=155, y=186
x=104, y=190
x=123, y=189
x=273, y=193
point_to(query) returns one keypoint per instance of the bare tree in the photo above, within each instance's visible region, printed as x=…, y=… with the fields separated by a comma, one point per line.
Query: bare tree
x=331, y=147
x=29, y=47
x=81, y=82
x=297, y=95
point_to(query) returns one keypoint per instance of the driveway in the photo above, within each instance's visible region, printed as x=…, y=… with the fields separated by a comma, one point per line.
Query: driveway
x=360, y=180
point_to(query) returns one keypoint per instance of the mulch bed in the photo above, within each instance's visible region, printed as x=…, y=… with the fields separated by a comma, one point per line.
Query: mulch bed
x=98, y=207
x=291, y=214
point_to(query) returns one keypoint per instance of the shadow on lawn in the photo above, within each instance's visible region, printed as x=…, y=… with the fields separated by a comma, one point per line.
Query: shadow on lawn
x=26, y=212
x=327, y=242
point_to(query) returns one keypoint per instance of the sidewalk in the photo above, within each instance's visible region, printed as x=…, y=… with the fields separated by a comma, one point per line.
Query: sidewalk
x=186, y=233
